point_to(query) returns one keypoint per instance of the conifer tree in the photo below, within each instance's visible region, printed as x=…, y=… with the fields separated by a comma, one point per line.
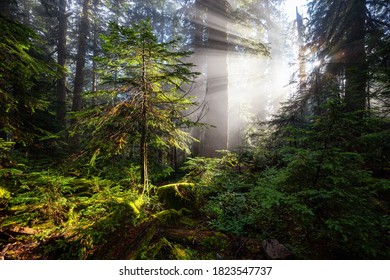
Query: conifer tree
x=23, y=80
x=338, y=30
x=142, y=98
x=61, y=59
x=80, y=59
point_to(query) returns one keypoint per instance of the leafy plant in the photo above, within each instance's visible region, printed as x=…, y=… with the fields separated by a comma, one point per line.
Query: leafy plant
x=229, y=212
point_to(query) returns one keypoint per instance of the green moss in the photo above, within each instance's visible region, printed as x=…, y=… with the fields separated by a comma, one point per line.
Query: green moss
x=171, y=216
x=177, y=196
x=166, y=250
x=137, y=205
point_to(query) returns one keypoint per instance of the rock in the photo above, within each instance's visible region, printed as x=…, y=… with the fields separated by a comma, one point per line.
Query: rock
x=275, y=250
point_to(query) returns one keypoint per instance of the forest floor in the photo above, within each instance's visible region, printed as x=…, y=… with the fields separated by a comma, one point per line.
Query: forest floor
x=99, y=220
x=148, y=240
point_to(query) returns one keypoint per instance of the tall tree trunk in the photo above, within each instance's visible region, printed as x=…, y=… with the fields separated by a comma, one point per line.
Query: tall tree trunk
x=144, y=126
x=217, y=78
x=95, y=34
x=356, y=66
x=61, y=60
x=144, y=146
x=144, y=158
x=200, y=62
x=80, y=58
x=301, y=55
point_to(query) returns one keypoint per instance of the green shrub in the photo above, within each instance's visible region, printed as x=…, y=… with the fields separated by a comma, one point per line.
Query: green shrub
x=229, y=212
x=320, y=201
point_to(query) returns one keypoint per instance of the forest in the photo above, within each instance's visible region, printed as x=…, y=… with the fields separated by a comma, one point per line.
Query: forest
x=194, y=129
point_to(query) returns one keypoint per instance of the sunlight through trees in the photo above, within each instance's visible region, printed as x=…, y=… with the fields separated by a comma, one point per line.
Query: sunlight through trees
x=194, y=129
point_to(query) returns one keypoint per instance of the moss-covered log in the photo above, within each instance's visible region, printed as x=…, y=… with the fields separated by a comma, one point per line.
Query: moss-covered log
x=221, y=244
x=127, y=243
x=177, y=196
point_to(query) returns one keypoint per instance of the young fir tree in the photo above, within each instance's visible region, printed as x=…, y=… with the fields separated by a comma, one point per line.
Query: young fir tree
x=24, y=82
x=142, y=99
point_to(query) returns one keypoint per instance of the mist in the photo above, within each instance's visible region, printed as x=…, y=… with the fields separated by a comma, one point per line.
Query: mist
x=247, y=68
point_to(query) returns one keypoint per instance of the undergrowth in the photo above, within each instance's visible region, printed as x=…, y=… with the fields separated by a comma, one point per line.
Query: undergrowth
x=79, y=210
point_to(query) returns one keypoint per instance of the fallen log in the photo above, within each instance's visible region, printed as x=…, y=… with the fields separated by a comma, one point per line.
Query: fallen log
x=140, y=242
x=224, y=245
x=127, y=242
x=191, y=236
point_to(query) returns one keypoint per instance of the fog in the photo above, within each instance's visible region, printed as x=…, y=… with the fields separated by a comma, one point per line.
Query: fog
x=239, y=87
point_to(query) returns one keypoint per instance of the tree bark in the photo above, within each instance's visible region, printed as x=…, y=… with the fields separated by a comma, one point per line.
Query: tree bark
x=144, y=156
x=200, y=62
x=144, y=125
x=95, y=46
x=216, y=138
x=301, y=55
x=61, y=60
x=80, y=58
x=356, y=66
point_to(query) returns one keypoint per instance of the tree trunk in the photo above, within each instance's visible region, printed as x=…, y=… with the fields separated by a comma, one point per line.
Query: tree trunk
x=95, y=46
x=200, y=62
x=144, y=156
x=61, y=60
x=301, y=55
x=355, y=58
x=144, y=126
x=80, y=58
x=216, y=138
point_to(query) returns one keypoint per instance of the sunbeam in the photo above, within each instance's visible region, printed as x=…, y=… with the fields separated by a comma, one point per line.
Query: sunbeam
x=251, y=60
